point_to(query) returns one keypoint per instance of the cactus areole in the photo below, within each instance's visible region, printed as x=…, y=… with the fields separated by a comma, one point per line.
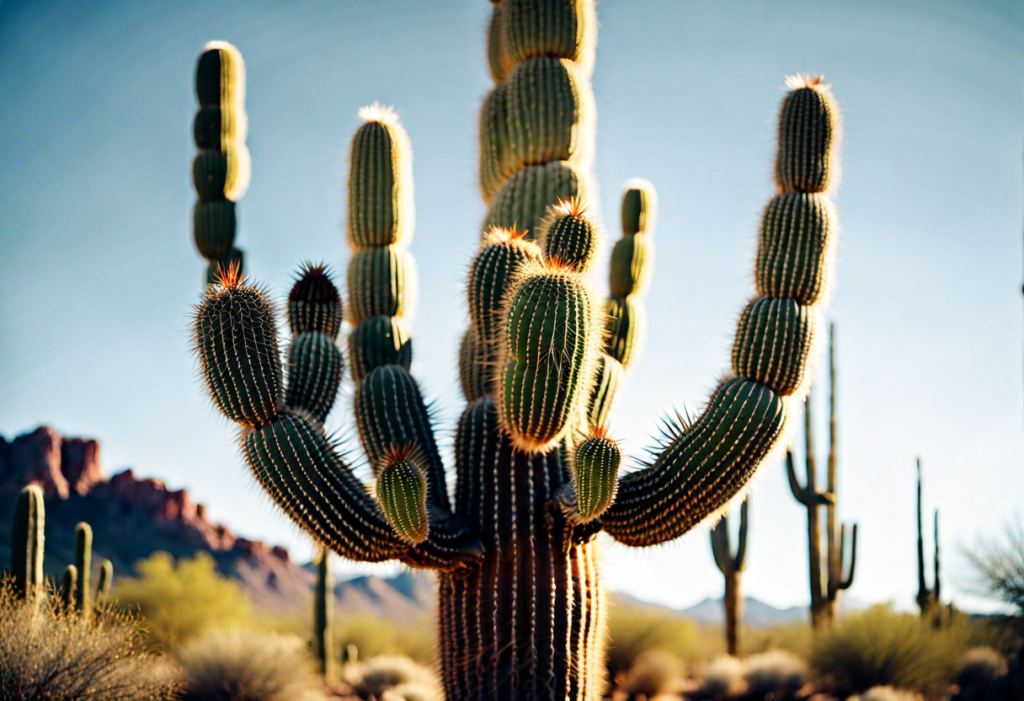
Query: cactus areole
x=521, y=611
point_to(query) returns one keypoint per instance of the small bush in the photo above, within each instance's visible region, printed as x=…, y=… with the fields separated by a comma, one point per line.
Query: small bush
x=379, y=674
x=654, y=672
x=179, y=601
x=887, y=693
x=246, y=665
x=633, y=630
x=776, y=672
x=879, y=647
x=375, y=637
x=797, y=638
x=722, y=677
x=48, y=653
x=980, y=665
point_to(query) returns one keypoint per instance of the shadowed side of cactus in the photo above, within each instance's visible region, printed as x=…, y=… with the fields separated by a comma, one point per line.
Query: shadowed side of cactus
x=28, y=543
x=220, y=171
x=323, y=616
x=731, y=566
x=83, y=563
x=68, y=586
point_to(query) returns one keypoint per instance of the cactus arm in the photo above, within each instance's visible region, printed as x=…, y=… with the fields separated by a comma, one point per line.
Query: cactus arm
x=27, y=543
x=83, y=563
x=923, y=593
x=845, y=580
x=720, y=547
x=105, y=581
x=68, y=584
x=740, y=561
x=221, y=169
x=805, y=496
x=703, y=466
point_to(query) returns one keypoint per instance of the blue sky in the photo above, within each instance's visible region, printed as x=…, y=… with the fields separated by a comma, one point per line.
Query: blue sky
x=98, y=270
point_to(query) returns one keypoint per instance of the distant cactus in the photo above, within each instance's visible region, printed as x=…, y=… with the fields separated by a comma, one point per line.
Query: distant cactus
x=828, y=578
x=28, y=543
x=83, y=563
x=105, y=581
x=521, y=609
x=68, y=588
x=731, y=566
x=220, y=170
x=928, y=600
x=323, y=616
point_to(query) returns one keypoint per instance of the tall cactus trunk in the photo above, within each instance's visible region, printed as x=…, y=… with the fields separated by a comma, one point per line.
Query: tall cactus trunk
x=527, y=622
x=733, y=614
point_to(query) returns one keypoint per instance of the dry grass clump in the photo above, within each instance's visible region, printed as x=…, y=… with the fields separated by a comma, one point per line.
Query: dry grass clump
x=655, y=672
x=722, y=677
x=50, y=653
x=980, y=665
x=380, y=674
x=776, y=672
x=633, y=630
x=879, y=647
x=247, y=665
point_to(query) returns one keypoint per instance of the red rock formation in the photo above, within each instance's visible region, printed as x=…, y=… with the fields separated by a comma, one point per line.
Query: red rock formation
x=80, y=464
x=34, y=458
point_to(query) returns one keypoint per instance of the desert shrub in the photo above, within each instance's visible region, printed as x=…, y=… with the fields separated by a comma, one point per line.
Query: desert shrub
x=887, y=693
x=412, y=692
x=654, y=672
x=633, y=630
x=776, y=672
x=248, y=665
x=721, y=677
x=48, y=653
x=797, y=638
x=999, y=567
x=374, y=637
x=879, y=647
x=980, y=665
x=379, y=674
x=180, y=601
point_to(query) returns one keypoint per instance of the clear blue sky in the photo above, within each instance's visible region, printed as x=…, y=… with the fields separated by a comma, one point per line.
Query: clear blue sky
x=98, y=270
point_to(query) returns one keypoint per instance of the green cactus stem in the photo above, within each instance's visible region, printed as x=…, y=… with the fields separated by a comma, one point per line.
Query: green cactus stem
x=827, y=576
x=105, y=581
x=380, y=196
x=314, y=374
x=235, y=335
x=809, y=137
x=221, y=170
x=314, y=303
x=595, y=472
x=378, y=341
x=928, y=599
x=550, y=349
x=569, y=236
x=731, y=566
x=564, y=29
x=402, y=493
x=68, y=586
x=497, y=57
x=323, y=616
x=523, y=199
x=27, y=543
x=83, y=564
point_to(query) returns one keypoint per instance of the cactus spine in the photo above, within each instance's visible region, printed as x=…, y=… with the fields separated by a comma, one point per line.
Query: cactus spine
x=521, y=609
x=220, y=171
x=824, y=592
x=83, y=563
x=323, y=616
x=27, y=543
x=731, y=566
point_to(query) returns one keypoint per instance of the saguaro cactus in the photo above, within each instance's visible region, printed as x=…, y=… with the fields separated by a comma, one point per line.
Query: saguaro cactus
x=927, y=599
x=220, y=171
x=828, y=577
x=323, y=615
x=83, y=563
x=521, y=608
x=731, y=566
x=27, y=543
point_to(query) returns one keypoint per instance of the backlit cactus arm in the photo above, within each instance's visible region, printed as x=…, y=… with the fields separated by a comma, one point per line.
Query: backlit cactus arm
x=705, y=465
x=221, y=169
x=628, y=277
x=389, y=406
x=236, y=341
